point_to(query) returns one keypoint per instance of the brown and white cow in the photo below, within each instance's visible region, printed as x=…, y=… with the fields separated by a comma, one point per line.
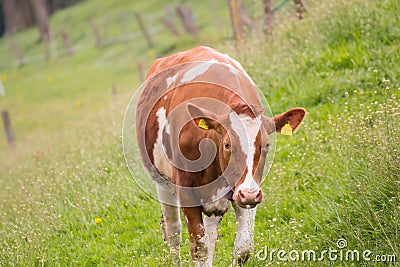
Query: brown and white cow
x=204, y=139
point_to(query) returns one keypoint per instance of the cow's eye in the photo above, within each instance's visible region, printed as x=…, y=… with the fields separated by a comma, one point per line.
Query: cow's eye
x=267, y=145
x=227, y=146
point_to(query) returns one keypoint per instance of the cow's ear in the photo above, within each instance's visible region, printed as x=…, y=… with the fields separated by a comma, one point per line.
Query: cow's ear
x=203, y=118
x=293, y=117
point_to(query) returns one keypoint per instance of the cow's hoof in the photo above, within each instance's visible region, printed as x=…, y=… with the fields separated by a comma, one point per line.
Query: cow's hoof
x=242, y=255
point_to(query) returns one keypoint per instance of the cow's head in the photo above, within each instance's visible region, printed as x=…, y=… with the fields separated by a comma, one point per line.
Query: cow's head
x=243, y=144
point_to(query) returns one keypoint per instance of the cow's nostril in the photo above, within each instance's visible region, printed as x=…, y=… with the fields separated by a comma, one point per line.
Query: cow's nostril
x=241, y=195
x=259, y=196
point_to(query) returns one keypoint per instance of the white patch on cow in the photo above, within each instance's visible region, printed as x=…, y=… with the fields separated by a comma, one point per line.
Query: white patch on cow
x=171, y=79
x=244, y=240
x=160, y=159
x=172, y=226
x=219, y=203
x=233, y=70
x=219, y=206
x=165, y=97
x=202, y=250
x=239, y=66
x=168, y=128
x=199, y=69
x=203, y=239
x=211, y=228
x=235, y=63
x=220, y=54
x=247, y=129
x=230, y=66
x=221, y=192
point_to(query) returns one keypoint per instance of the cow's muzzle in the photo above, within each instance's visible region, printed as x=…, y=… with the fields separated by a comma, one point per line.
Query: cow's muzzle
x=249, y=199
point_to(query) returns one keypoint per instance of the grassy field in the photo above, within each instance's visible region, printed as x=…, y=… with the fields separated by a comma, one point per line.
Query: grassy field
x=337, y=178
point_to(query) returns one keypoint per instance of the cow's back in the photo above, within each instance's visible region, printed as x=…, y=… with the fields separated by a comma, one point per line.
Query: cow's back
x=200, y=53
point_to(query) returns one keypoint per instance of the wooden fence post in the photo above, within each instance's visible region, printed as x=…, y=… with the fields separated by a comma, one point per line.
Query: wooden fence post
x=2, y=91
x=237, y=24
x=186, y=15
x=168, y=20
x=7, y=128
x=113, y=89
x=217, y=20
x=144, y=29
x=18, y=54
x=123, y=23
x=47, y=52
x=245, y=17
x=140, y=67
x=67, y=43
x=268, y=17
x=96, y=33
x=300, y=8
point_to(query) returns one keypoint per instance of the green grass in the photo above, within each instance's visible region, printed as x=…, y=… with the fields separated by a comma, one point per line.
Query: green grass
x=337, y=177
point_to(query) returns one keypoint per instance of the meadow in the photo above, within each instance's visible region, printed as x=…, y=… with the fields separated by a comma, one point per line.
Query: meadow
x=68, y=199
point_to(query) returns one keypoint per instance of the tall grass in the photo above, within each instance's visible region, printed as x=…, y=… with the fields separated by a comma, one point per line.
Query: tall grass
x=370, y=143
x=338, y=177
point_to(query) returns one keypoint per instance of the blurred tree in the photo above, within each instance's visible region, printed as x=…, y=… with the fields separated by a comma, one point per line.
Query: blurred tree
x=237, y=23
x=269, y=19
x=1, y=20
x=16, y=15
x=42, y=18
x=55, y=5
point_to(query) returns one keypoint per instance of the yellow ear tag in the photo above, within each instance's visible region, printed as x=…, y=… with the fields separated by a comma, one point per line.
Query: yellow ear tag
x=286, y=130
x=203, y=124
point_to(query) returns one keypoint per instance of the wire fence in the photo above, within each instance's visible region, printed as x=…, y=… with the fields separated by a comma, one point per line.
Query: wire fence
x=105, y=31
x=127, y=26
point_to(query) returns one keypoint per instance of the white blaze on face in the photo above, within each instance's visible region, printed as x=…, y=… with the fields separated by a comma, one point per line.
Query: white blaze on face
x=160, y=159
x=247, y=129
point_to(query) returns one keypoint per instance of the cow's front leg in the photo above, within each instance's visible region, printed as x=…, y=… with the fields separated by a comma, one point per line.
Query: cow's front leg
x=171, y=223
x=211, y=228
x=198, y=239
x=244, y=240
